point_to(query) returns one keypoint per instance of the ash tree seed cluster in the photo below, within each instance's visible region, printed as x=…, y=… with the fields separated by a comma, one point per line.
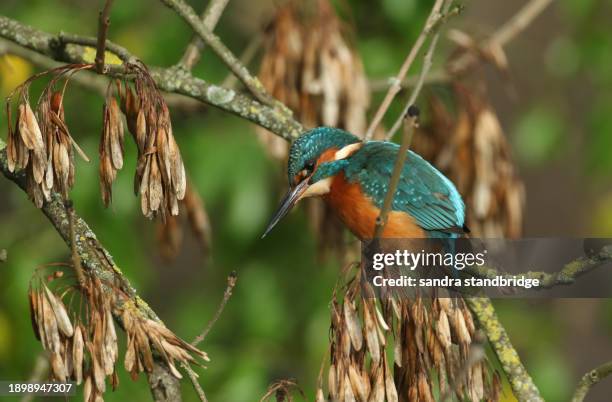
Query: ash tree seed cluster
x=40, y=142
x=82, y=341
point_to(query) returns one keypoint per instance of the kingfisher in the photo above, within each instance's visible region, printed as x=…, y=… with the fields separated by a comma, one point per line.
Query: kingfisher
x=353, y=176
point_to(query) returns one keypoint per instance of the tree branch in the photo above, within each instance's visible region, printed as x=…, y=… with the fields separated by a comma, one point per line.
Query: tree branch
x=98, y=262
x=522, y=385
x=566, y=276
x=171, y=80
x=210, y=18
x=251, y=82
x=591, y=378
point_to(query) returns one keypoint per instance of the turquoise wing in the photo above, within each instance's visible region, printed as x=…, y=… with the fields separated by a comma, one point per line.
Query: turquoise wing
x=423, y=191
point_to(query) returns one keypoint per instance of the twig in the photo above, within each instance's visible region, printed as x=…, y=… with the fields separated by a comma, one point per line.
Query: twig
x=411, y=122
x=522, y=385
x=194, y=381
x=281, y=390
x=231, y=282
x=504, y=34
x=591, y=378
x=383, y=84
x=519, y=21
x=210, y=18
x=566, y=276
x=427, y=62
x=251, y=82
x=431, y=22
x=245, y=58
x=103, y=23
x=170, y=80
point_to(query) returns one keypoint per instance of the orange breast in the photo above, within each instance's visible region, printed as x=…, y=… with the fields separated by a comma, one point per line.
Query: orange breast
x=357, y=212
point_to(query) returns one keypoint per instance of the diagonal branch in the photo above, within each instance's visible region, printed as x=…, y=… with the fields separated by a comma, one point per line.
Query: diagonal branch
x=522, y=385
x=210, y=18
x=566, y=276
x=98, y=262
x=253, y=84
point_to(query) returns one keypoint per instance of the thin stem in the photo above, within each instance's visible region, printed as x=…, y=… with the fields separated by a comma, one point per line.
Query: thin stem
x=521, y=20
x=210, y=18
x=503, y=35
x=434, y=16
x=194, y=381
x=103, y=23
x=411, y=122
x=427, y=63
x=245, y=58
x=591, y=378
x=231, y=282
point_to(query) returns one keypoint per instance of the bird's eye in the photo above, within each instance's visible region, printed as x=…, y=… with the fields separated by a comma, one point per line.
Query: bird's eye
x=309, y=166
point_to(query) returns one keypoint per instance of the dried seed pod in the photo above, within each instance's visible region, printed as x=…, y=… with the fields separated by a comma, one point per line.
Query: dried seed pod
x=377, y=394
x=77, y=354
x=52, y=338
x=360, y=390
x=88, y=389
x=390, y=390
x=371, y=334
x=332, y=383
x=111, y=148
x=57, y=367
x=353, y=326
x=443, y=330
x=61, y=315
x=424, y=389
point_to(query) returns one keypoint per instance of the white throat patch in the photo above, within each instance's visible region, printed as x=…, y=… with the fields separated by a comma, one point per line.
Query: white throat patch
x=319, y=188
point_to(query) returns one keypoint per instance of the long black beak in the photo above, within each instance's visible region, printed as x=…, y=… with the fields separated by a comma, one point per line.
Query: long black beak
x=289, y=200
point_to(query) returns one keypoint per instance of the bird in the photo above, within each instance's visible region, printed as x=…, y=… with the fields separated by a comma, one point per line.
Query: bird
x=352, y=176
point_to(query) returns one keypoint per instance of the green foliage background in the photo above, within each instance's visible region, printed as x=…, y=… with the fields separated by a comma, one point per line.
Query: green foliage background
x=276, y=324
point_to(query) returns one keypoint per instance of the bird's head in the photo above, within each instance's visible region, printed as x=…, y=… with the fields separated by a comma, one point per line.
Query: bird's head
x=315, y=157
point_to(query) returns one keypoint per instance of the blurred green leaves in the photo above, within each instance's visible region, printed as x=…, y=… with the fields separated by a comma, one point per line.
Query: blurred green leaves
x=539, y=136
